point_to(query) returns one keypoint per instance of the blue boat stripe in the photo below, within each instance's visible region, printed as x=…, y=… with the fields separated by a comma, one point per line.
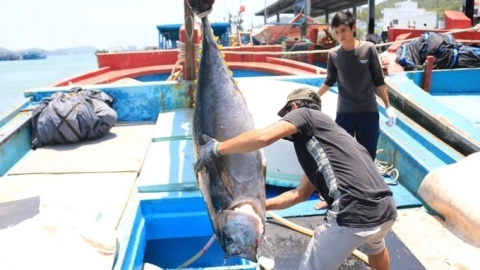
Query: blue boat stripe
x=315, y=149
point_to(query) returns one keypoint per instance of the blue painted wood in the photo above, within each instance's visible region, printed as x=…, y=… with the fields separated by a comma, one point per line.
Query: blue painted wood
x=456, y=81
x=136, y=101
x=313, y=80
x=173, y=125
x=15, y=141
x=451, y=81
x=415, y=76
x=173, y=218
x=412, y=157
x=7, y=115
x=144, y=101
x=453, y=126
x=168, y=166
x=131, y=256
x=431, y=143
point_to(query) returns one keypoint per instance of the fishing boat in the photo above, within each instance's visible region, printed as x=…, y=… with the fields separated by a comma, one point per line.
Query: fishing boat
x=439, y=95
x=33, y=54
x=130, y=200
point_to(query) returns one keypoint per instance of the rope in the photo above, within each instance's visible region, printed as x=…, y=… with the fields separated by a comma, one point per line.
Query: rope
x=309, y=232
x=204, y=14
x=181, y=59
x=199, y=254
x=387, y=169
x=475, y=28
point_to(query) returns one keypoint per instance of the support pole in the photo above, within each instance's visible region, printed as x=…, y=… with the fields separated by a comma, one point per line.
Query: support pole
x=371, y=17
x=189, y=68
x=304, y=25
x=469, y=8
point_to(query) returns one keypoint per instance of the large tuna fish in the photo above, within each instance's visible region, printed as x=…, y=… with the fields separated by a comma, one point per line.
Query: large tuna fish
x=234, y=186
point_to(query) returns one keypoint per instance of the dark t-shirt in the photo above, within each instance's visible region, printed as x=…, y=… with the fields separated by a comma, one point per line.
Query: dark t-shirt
x=341, y=169
x=357, y=73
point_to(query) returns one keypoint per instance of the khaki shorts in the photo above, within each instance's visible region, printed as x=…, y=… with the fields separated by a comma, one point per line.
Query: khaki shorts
x=331, y=244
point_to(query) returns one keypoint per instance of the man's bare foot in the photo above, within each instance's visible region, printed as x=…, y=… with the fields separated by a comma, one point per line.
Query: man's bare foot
x=320, y=205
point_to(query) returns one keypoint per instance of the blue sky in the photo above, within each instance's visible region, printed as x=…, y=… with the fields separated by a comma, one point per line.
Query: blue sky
x=51, y=24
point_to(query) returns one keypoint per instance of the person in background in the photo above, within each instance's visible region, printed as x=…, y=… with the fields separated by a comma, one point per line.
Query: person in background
x=355, y=66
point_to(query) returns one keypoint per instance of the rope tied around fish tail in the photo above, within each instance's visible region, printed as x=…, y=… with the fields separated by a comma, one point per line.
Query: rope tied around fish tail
x=204, y=14
x=181, y=59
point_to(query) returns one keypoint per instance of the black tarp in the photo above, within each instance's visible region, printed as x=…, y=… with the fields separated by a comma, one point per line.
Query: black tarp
x=447, y=52
x=79, y=114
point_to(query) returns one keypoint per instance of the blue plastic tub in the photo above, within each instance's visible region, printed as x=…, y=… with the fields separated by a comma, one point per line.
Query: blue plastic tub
x=167, y=232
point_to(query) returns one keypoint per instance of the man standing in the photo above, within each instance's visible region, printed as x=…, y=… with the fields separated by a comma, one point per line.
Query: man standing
x=355, y=67
x=361, y=207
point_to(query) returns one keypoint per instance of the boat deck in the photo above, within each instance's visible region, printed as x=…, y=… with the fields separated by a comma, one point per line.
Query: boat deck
x=463, y=105
x=87, y=195
x=448, y=110
x=81, y=189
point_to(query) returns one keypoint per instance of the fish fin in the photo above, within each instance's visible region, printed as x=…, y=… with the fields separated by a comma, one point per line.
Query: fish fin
x=203, y=178
x=227, y=178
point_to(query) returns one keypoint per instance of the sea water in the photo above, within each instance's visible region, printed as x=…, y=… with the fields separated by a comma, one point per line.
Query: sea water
x=18, y=76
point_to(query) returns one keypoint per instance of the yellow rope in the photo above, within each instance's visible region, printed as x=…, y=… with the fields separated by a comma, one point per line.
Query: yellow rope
x=199, y=254
x=386, y=168
x=181, y=59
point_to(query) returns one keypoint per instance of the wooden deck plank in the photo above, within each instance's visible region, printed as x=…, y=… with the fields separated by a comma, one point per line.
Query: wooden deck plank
x=123, y=149
x=78, y=216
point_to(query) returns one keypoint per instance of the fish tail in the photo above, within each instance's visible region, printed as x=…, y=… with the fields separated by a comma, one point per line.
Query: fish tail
x=200, y=6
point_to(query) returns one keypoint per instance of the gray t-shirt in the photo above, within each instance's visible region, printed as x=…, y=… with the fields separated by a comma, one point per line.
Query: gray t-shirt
x=341, y=169
x=357, y=73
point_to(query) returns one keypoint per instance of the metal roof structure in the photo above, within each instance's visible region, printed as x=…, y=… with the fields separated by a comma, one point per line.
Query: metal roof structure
x=317, y=7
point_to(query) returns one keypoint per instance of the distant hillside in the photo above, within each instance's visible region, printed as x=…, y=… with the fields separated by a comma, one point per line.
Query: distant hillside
x=72, y=50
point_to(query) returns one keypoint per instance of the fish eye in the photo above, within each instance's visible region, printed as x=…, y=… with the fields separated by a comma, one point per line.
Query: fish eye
x=228, y=240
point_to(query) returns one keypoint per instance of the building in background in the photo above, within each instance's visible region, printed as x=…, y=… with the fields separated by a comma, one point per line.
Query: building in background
x=407, y=14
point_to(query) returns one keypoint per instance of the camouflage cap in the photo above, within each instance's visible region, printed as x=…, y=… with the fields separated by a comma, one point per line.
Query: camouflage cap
x=303, y=93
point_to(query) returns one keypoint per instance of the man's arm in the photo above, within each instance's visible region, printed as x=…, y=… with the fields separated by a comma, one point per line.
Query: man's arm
x=331, y=76
x=291, y=197
x=392, y=117
x=256, y=139
x=382, y=92
x=323, y=89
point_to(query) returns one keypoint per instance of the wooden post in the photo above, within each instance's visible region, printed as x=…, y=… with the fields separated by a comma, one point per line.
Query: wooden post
x=189, y=71
x=312, y=37
x=427, y=74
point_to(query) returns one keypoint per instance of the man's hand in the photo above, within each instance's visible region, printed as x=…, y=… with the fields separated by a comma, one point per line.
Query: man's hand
x=392, y=117
x=207, y=153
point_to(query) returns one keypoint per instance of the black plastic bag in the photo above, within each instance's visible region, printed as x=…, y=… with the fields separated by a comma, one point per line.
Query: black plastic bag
x=80, y=114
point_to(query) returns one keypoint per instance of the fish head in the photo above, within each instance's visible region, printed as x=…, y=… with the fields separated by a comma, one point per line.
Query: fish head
x=200, y=6
x=240, y=234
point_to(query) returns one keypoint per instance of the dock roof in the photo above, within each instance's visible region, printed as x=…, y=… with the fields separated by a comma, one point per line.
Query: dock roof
x=318, y=7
